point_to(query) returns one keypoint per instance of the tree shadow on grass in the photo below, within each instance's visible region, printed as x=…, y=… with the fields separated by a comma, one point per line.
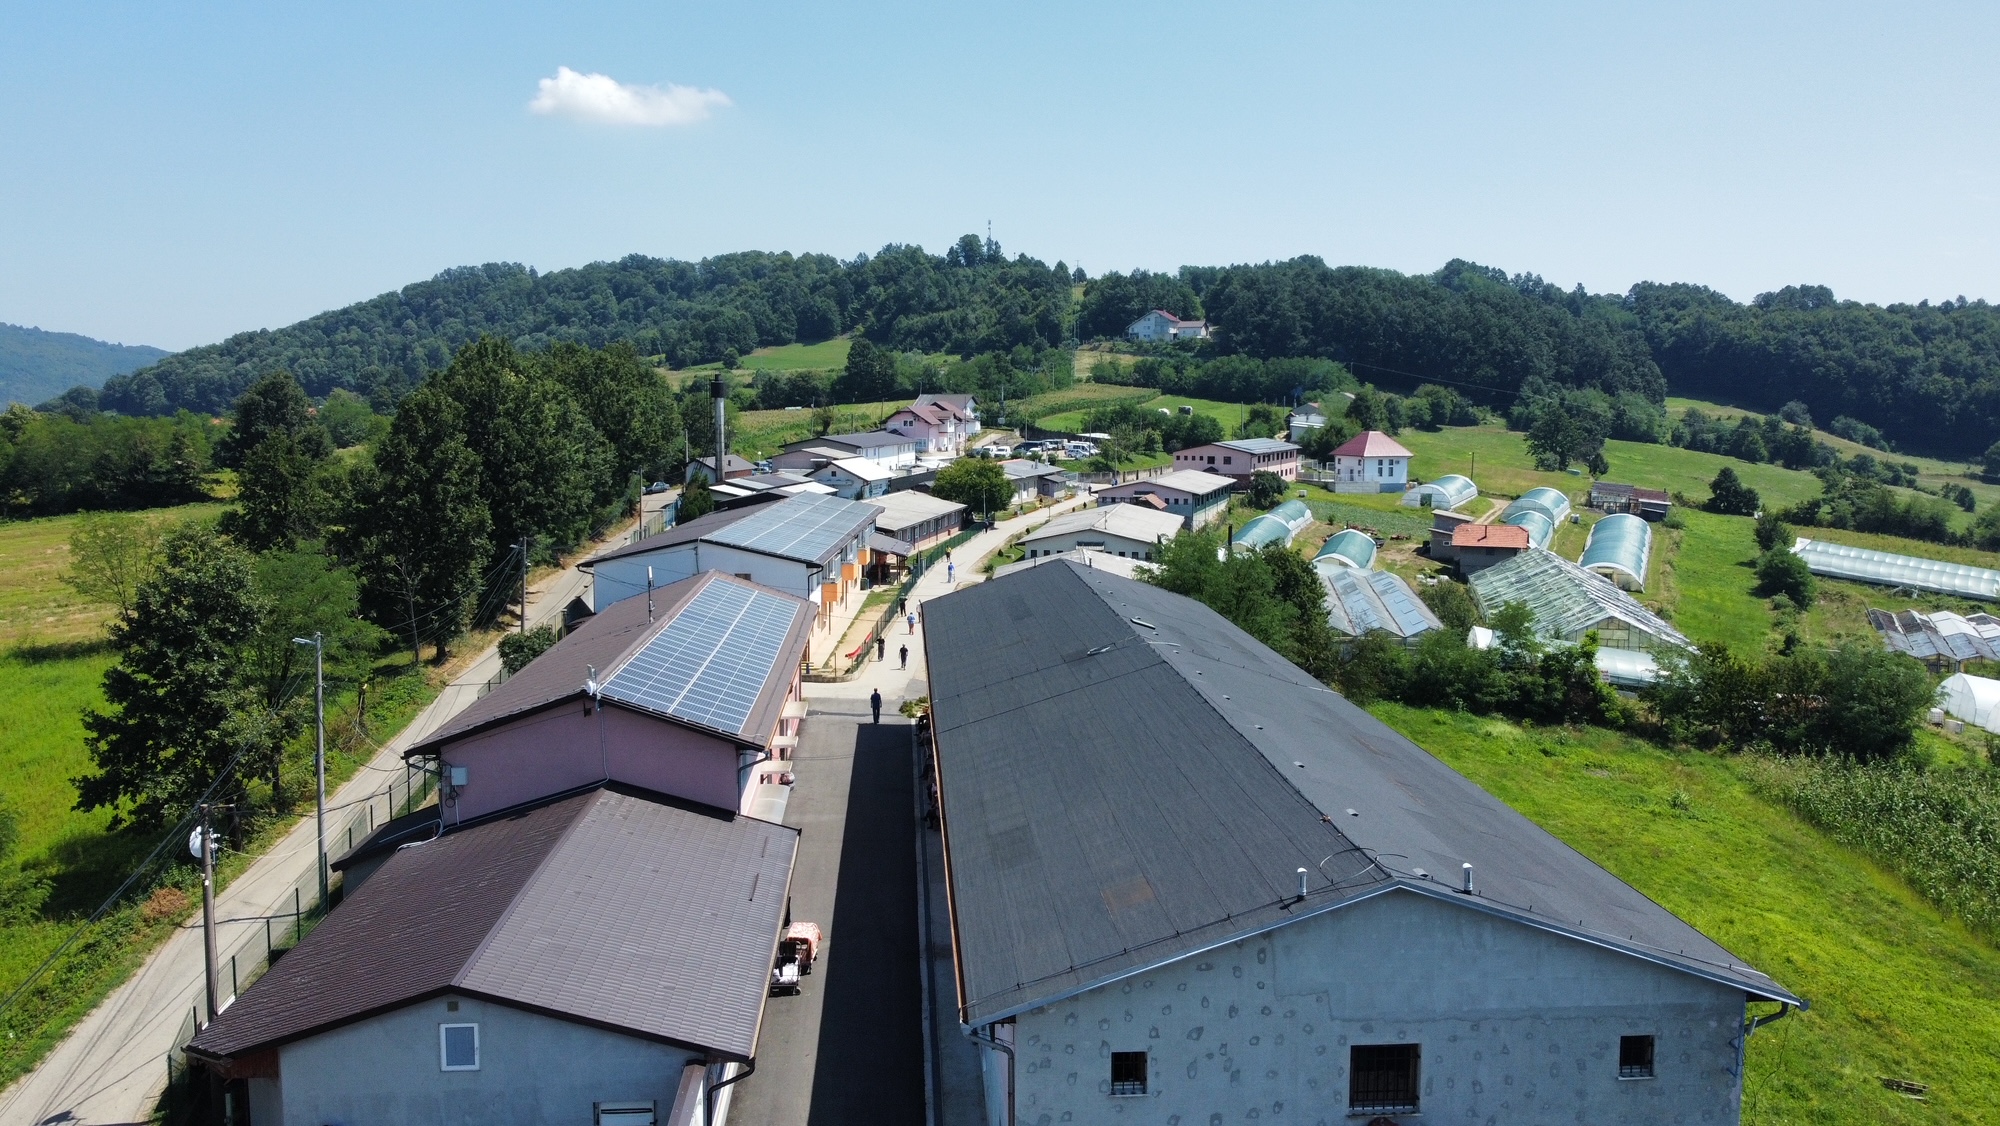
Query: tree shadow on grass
x=39, y=652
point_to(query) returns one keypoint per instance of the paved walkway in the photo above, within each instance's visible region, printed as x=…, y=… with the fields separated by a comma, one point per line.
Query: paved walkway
x=112, y=1066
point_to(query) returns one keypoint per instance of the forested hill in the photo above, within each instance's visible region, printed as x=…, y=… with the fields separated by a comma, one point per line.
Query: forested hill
x=1928, y=376
x=36, y=365
x=970, y=299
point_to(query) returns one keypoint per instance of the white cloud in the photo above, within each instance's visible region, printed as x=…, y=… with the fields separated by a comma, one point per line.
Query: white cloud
x=600, y=97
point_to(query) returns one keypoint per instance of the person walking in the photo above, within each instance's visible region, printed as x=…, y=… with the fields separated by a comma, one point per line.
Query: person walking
x=881, y=646
x=912, y=618
x=904, y=653
x=900, y=603
x=950, y=572
x=875, y=702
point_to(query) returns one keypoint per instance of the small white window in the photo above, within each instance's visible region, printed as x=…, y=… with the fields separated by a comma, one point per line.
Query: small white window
x=458, y=1047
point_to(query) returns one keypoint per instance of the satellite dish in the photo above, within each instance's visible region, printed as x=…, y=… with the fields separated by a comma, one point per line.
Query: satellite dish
x=194, y=843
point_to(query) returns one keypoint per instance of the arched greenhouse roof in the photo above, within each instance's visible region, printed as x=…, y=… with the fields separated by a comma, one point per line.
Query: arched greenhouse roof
x=1541, y=529
x=1619, y=542
x=1449, y=491
x=1550, y=502
x=1350, y=547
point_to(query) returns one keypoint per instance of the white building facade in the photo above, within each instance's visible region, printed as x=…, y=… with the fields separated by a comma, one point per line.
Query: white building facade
x=1160, y=326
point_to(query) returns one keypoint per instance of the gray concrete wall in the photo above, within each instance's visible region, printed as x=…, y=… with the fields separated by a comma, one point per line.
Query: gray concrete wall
x=1516, y=1025
x=533, y=1070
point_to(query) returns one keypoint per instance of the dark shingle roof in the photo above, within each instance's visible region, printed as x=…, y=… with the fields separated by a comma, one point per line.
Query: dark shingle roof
x=608, y=907
x=1118, y=794
x=687, y=532
x=614, y=639
x=866, y=440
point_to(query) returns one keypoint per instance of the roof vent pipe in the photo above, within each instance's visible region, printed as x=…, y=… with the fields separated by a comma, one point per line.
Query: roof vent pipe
x=1466, y=869
x=1302, y=883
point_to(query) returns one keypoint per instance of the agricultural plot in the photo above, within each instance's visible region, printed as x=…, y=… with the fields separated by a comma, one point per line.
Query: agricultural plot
x=1230, y=415
x=1896, y=989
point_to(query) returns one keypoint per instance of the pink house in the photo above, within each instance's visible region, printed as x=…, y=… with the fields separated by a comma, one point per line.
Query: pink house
x=939, y=423
x=693, y=693
x=1239, y=458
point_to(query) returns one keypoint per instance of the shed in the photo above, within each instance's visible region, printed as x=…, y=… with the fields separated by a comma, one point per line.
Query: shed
x=1618, y=548
x=1448, y=491
x=1479, y=546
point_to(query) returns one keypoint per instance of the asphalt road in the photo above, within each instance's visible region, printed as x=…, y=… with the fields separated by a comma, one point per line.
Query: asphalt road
x=849, y=1047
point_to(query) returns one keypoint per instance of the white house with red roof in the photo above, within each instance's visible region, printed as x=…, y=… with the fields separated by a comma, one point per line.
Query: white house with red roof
x=1160, y=325
x=1371, y=462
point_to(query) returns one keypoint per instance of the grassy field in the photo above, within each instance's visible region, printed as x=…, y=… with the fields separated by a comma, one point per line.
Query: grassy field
x=827, y=355
x=35, y=607
x=1230, y=415
x=759, y=434
x=1067, y=405
x=1896, y=989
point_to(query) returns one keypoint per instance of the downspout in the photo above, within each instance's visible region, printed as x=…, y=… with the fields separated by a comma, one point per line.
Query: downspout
x=744, y=768
x=994, y=1041
x=708, y=1100
x=1743, y=1041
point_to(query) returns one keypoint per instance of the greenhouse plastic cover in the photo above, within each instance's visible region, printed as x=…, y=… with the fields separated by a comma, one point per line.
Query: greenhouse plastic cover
x=1620, y=541
x=1359, y=602
x=1839, y=561
x=1448, y=491
x=1276, y=526
x=1941, y=633
x=1565, y=599
x=1541, y=530
x=1350, y=547
x=1627, y=668
x=1974, y=699
x=1550, y=502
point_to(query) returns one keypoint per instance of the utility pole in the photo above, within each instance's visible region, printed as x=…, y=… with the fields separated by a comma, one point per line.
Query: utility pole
x=204, y=846
x=318, y=642
x=524, y=584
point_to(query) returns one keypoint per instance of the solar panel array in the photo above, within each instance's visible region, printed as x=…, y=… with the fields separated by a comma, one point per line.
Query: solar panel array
x=711, y=661
x=807, y=528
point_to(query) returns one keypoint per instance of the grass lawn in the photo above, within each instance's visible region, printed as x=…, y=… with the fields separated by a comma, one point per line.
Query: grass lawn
x=1064, y=409
x=827, y=355
x=1706, y=580
x=1896, y=989
x=35, y=607
x=1230, y=415
x=759, y=434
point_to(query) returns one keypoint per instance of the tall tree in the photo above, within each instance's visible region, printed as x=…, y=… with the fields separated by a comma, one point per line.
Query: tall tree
x=110, y=556
x=179, y=709
x=975, y=482
x=422, y=524
x=304, y=593
x=282, y=495
x=274, y=404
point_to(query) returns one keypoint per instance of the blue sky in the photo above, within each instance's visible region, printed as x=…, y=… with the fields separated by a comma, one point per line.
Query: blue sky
x=170, y=174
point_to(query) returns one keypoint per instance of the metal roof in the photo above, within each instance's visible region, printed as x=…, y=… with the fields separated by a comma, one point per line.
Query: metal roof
x=1359, y=602
x=909, y=507
x=1126, y=521
x=1566, y=600
x=1956, y=637
x=1839, y=561
x=712, y=661
x=626, y=634
x=610, y=907
x=1126, y=778
x=1619, y=542
x=1448, y=491
x=1350, y=546
x=1191, y=481
x=1258, y=445
x=808, y=528
x=687, y=531
x=866, y=440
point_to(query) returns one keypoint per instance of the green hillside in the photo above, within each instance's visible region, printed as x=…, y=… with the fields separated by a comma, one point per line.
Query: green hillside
x=36, y=366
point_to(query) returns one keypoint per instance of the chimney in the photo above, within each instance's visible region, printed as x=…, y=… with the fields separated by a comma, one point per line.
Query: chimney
x=720, y=393
x=1302, y=883
x=1466, y=869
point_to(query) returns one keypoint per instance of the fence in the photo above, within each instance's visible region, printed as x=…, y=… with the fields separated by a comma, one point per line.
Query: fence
x=247, y=959
x=920, y=563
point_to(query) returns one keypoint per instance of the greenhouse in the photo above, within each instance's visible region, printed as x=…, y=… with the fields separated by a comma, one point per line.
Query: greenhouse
x=1350, y=547
x=1618, y=547
x=1941, y=639
x=1974, y=699
x=1551, y=502
x=1448, y=491
x=1362, y=602
x=1568, y=602
x=1839, y=561
x=1277, y=526
x=1627, y=668
x=1541, y=529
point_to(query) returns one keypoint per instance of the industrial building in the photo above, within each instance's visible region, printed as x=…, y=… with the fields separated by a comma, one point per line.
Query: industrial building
x=1280, y=526
x=1131, y=531
x=677, y=697
x=1188, y=881
x=1569, y=602
x=1618, y=548
x=807, y=546
x=1450, y=491
x=1198, y=498
x=600, y=957
x=1239, y=458
x=1864, y=565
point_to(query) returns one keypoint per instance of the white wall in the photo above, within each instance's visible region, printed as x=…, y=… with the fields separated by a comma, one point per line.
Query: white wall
x=615, y=580
x=532, y=1070
x=1100, y=541
x=1515, y=1025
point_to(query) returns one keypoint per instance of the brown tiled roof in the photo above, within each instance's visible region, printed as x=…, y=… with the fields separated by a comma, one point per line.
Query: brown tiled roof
x=611, y=908
x=1489, y=535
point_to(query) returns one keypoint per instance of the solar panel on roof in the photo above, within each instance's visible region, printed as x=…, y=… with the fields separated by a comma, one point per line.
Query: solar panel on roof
x=711, y=661
x=806, y=527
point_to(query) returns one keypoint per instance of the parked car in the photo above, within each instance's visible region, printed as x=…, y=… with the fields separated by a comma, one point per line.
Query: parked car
x=657, y=487
x=1027, y=449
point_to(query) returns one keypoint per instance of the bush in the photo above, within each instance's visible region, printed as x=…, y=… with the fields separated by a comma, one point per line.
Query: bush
x=1779, y=572
x=518, y=649
x=1452, y=603
x=1796, y=413
x=1855, y=430
x=1772, y=532
x=1859, y=701
x=1266, y=489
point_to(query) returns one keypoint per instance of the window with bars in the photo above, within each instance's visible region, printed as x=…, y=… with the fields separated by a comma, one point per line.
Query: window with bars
x=1635, y=1057
x=1128, y=1073
x=1382, y=1079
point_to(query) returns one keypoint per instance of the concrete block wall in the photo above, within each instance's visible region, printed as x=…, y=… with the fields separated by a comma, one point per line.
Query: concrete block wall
x=1516, y=1025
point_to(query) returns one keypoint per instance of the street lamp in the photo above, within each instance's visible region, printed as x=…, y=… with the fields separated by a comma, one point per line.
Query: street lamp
x=318, y=642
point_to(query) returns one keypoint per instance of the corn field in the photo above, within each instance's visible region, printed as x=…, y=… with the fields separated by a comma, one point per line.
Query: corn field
x=1939, y=828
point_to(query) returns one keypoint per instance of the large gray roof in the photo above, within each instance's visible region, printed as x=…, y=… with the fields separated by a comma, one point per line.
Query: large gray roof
x=610, y=908
x=1127, y=778
x=808, y=528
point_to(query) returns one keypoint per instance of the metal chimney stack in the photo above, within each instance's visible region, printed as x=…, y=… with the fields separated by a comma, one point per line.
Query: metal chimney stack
x=1467, y=870
x=720, y=393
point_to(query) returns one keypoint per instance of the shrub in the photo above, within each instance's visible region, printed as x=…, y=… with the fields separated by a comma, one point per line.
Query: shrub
x=1772, y=532
x=1779, y=572
x=518, y=649
x=1266, y=489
